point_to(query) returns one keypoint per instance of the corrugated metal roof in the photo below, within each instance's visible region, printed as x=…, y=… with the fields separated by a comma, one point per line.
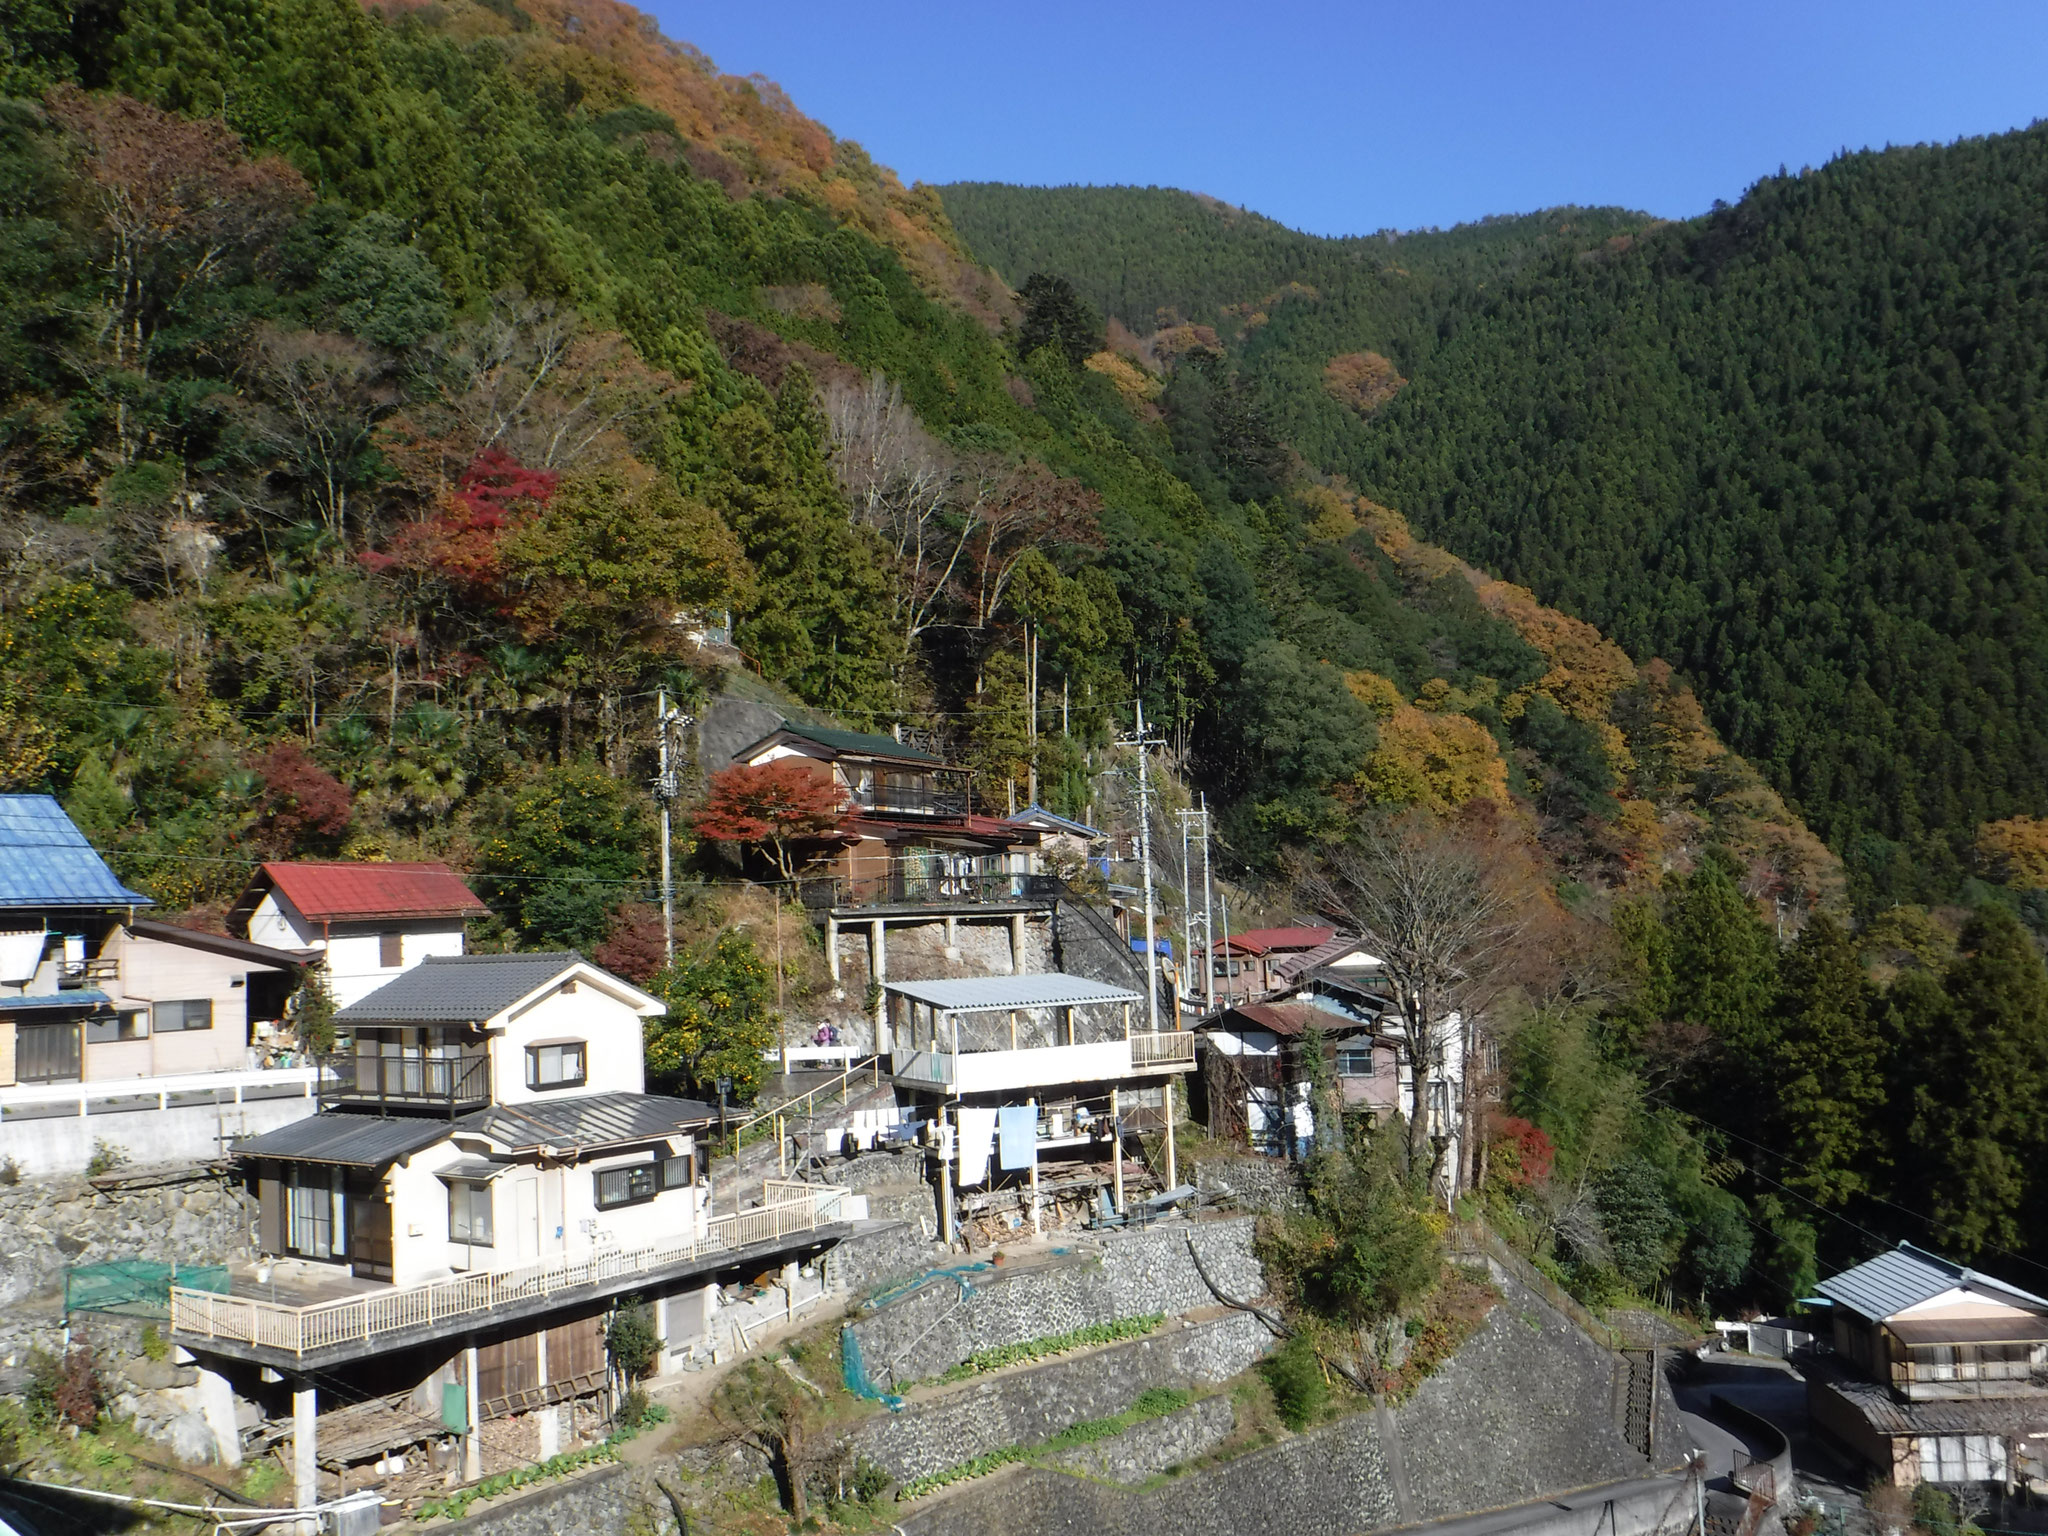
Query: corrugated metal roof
x=1889, y=1415
x=364, y=892
x=1289, y=1019
x=45, y=861
x=1038, y=816
x=995, y=994
x=85, y=997
x=219, y=944
x=458, y=989
x=587, y=1121
x=1890, y=1283
x=858, y=743
x=350, y=1141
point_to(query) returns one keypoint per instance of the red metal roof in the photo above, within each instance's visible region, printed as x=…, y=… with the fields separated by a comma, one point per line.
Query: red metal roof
x=1262, y=941
x=359, y=892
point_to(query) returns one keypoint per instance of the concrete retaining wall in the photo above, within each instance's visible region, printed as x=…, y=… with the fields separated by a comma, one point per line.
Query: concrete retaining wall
x=1119, y=1275
x=184, y=1133
x=1024, y=1407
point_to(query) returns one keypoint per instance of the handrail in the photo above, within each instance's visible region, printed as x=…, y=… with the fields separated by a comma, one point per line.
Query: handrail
x=872, y=1063
x=157, y=1089
x=353, y=1319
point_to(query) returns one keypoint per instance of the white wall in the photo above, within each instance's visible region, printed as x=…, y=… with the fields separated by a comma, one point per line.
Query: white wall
x=355, y=967
x=188, y=1133
x=153, y=971
x=615, y=1059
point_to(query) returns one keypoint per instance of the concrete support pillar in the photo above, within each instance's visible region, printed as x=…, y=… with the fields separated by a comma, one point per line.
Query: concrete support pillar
x=1016, y=943
x=549, y=1423
x=878, y=972
x=832, y=948
x=217, y=1407
x=305, y=1445
x=1116, y=1147
x=661, y=1333
x=1172, y=1164
x=472, y=1444
x=1037, y=1227
x=952, y=937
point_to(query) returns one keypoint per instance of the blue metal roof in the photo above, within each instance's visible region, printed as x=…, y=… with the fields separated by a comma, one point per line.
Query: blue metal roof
x=87, y=997
x=45, y=861
x=1892, y=1282
x=1035, y=812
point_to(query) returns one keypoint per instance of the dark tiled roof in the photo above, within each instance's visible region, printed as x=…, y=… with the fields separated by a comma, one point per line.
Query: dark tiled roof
x=1888, y=1415
x=587, y=1121
x=1038, y=816
x=458, y=989
x=1288, y=1019
x=352, y=1141
x=45, y=861
x=1890, y=1283
x=364, y=892
x=853, y=743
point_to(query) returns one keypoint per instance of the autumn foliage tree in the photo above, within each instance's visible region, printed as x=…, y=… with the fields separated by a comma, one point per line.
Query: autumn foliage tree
x=302, y=802
x=774, y=806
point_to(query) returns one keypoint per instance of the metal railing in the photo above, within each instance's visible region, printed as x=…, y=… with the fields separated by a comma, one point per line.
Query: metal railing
x=322, y=1325
x=1167, y=1048
x=440, y=1082
x=917, y=888
x=871, y=1068
x=119, y=1095
x=910, y=800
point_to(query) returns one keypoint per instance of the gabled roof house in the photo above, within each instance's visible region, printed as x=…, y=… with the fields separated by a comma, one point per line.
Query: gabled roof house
x=366, y=922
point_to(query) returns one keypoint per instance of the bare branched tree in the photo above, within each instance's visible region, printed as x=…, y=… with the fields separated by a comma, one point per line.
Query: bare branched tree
x=316, y=402
x=901, y=483
x=1447, y=921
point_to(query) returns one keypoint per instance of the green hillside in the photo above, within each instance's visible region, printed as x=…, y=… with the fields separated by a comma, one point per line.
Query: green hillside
x=1794, y=447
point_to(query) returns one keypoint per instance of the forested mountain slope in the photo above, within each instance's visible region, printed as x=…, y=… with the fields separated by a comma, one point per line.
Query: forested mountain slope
x=1794, y=446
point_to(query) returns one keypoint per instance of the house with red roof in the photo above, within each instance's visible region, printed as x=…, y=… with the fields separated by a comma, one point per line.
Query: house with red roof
x=1246, y=966
x=368, y=922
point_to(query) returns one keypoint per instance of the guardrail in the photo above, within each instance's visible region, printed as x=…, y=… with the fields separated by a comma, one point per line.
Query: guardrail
x=127, y=1095
x=204, y=1315
x=1167, y=1048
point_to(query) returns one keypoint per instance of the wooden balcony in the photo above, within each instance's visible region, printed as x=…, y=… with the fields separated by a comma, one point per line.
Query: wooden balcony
x=389, y=1317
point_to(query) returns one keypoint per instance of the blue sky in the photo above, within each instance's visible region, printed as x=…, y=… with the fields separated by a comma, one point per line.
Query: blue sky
x=1347, y=118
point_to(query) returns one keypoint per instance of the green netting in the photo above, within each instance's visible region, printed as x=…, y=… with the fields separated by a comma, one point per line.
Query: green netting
x=855, y=1373
x=141, y=1286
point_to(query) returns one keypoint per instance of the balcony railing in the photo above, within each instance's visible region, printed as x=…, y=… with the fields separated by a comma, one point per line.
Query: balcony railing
x=906, y=887
x=911, y=800
x=1168, y=1048
x=407, y=1082
x=355, y=1320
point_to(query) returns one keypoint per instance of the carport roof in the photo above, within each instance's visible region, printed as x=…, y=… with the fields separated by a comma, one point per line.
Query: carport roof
x=999, y=994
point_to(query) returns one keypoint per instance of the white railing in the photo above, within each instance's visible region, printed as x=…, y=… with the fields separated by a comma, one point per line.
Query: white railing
x=1167, y=1048
x=358, y=1319
x=120, y=1095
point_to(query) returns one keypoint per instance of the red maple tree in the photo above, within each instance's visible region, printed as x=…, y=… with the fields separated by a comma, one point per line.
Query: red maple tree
x=772, y=805
x=1525, y=1149
x=458, y=541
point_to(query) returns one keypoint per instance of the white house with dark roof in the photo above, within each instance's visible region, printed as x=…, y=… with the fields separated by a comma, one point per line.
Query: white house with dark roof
x=445, y=1240
x=1939, y=1373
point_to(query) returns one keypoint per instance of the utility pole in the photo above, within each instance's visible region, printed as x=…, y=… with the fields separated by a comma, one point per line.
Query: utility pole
x=1208, y=933
x=1199, y=938
x=1144, y=744
x=667, y=789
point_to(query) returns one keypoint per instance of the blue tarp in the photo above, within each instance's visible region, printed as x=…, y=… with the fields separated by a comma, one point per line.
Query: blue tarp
x=1017, y=1135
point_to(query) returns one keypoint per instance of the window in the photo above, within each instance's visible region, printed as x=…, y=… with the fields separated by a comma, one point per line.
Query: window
x=627, y=1186
x=469, y=1212
x=391, y=950
x=678, y=1172
x=133, y=1025
x=558, y=1064
x=169, y=1018
x=314, y=1208
x=1962, y=1458
x=1354, y=1061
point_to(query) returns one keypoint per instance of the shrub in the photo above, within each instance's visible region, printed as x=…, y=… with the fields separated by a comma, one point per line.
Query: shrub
x=1296, y=1377
x=106, y=1157
x=631, y=1341
x=633, y=1409
x=66, y=1390
x=153, y=1345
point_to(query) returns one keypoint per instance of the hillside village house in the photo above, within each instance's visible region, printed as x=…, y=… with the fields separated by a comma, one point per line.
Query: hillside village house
x=1016, y=1072
x=487, y=1176
x=117, y=1029
x=1246, y=967
x=1938, y=1374
x=366, y=922
x=1257, y=1082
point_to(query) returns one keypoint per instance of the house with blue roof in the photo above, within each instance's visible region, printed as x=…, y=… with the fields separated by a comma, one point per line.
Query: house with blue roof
x=91, y=991
x=1938, y=1372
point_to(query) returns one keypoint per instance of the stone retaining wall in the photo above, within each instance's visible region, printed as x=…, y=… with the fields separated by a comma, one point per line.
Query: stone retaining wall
x=48, y=1225
x=1144, y=1450
x=1259, y=1183
x=1024, y=1407
x=1116, y=1276
x=1523, y=1411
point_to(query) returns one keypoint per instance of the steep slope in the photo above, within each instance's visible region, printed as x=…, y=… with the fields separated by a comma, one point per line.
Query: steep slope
x=1794, y=446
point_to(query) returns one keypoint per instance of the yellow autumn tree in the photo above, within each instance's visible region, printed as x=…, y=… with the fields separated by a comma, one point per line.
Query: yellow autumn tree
x=2015, y=851
x=1437, y=761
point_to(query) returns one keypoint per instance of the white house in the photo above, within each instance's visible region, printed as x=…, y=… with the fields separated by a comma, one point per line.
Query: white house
x=1016, y=1071
x=486, y=1179
x=367, y=922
